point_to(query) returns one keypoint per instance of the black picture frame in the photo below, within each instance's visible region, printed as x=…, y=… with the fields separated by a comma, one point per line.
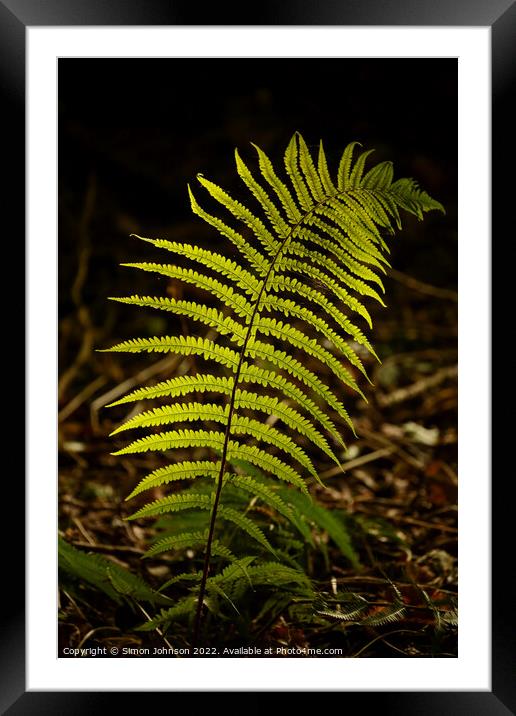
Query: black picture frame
x=500, y=16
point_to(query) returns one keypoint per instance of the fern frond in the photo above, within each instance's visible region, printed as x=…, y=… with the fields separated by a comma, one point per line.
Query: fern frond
x=291, y=308
x=253, y=374
x=204, y=412
x=371, y=213
x=278, y=574
x=409, y=196
x=228, y=268
x=182, y=577
x=345, y=166
x=386, y=200
x=237, y=570
x=329, y=283
x=286, y=332
x=337, y=271
x=294, y=367
x=272, y=406
x=309, y=171
x=264, y=574
x=175, y=413
x=243, y=425
x=359, y=269
x=294, y=285
x=282, y=192
x=246, y=525
x=275, y=217
x=174, y=387
x=298, y=182
x=355, y=176
x=322, y=166
x=257, y=260
x=265, y=494
x=266, y=461
x=355, y=232
x=184, y=345
x=195, y=500
x=197, y=312
x=187, y=540
x=353, y=248
x=224, y=293
x=240, y=212
x=177, y=471
x=322, y=247
x=379, y=177
x=177, y=439
x=101, y=573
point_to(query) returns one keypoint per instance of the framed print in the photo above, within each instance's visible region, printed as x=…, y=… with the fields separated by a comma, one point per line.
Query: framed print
x=126, y=107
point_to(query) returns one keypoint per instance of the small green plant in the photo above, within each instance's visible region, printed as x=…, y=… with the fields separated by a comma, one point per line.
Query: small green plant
x=286, y=308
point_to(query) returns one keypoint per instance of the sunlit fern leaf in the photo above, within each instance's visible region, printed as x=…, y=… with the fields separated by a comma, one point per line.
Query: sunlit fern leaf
x=254, y=257
x=187, y=470
x=180, y=386
x=182, y=345
x=216, y=262
x=320, y=259
x=307, y=252
x=299, y=340
x=291, y=308
x=346, y=259
x=224, y=293
x=285, y=361
x=345, y=166
x=254, y=374
x=349, y=246
x=278, y=222
x=309, y=171
x=271, y=406
x=322, y=165
x=197, y=312
x=298, y=182
x=242, y=213
x=340, y=293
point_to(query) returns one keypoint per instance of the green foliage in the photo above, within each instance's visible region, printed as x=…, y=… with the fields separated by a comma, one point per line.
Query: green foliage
x=289, y=310
x=100, y=573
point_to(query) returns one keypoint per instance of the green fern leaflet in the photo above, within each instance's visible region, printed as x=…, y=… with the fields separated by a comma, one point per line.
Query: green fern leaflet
x=287, y=307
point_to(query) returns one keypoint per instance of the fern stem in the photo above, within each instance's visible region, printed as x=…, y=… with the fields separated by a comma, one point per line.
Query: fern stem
x=218, y=491
x=213, y=519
